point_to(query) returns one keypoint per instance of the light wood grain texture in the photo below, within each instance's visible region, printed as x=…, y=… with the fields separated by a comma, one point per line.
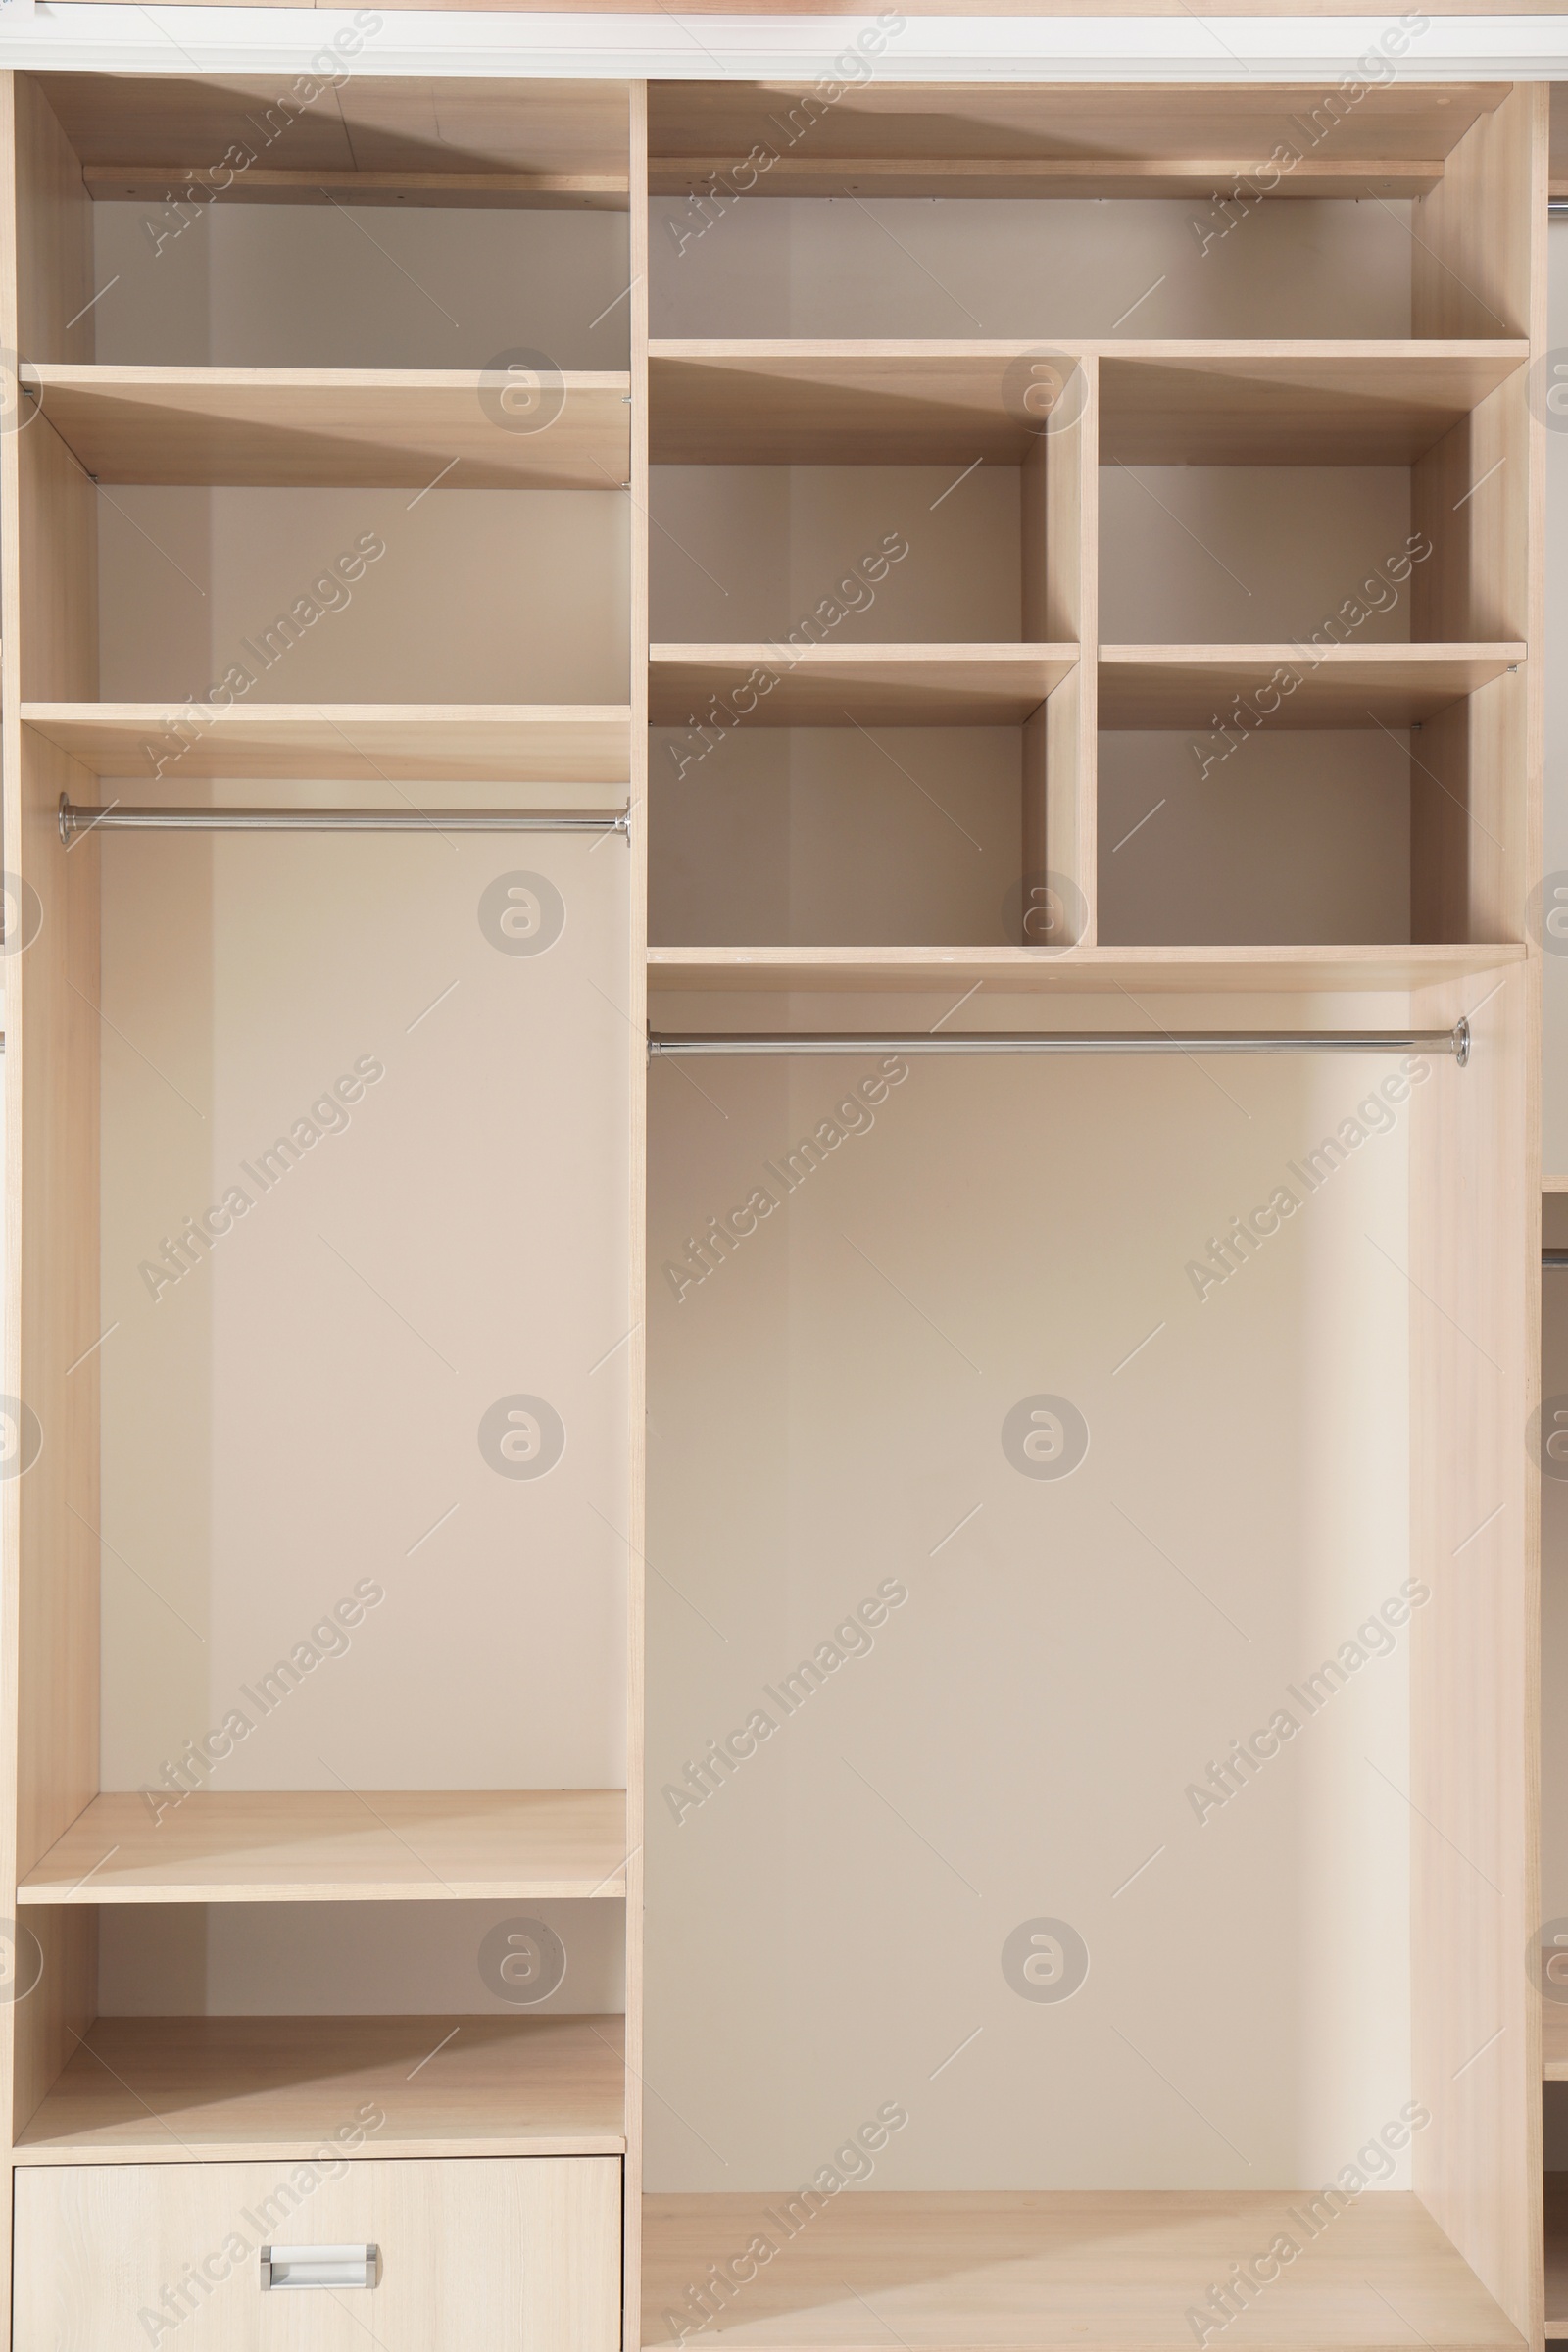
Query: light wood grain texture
x=481, y=192
x=1475, y=1337
x=48, y=1504
x=637, y=1259
x=1344, y=686
x=364, y=124
x=488, y=2251
x=829, y=685
x=404, y=428
x=955, y=123
x=1472, y=264
x=1338, y=404
x=148, y=743
x=54, y=238
x=324, y=1846
x=932, y=401
x=1474, y=1286
x=1087, y=177
x=1047, y=2271
x=163, y=2090
x=58, y=1945
x=1250, y=970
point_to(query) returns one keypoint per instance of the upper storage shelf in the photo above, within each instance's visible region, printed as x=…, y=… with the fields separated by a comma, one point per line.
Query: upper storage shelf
x=308, y=427
x=883, y=139
x=479, y=142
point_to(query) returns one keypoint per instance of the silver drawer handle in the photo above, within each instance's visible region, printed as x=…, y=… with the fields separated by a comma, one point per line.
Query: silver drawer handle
x=319, y=2265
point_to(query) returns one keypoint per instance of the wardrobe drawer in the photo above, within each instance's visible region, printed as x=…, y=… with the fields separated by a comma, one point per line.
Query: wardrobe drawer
x=498, y=2252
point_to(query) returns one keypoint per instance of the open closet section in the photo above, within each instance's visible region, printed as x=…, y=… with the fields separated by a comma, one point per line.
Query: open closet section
x=317, y=762
x=1094, y=678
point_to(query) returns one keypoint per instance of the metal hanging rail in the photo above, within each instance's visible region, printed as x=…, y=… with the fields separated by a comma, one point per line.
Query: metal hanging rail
x=1550, y=1258
x=1454, y=1042
x=76, y=821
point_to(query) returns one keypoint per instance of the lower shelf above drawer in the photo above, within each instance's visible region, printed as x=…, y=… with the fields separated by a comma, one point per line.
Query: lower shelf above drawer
x=163, y=2089
x=504, y=2254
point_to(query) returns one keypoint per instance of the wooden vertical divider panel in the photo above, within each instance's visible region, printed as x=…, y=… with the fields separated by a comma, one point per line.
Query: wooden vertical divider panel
x=1475, y=1290
x=1060, y=560
x=637, y=1391
x=49, y=1513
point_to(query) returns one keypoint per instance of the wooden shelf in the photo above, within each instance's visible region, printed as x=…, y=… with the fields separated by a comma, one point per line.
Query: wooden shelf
x=165, y=2089
x=343, y=427
x=730, y=402
x=545, y=143
x=1046, y=2271
x=1188, y=971
x=331, y=1846
x=1290, y=404
x=524, y=743
x=932, y=401
x=1106, y=140
x=477, y=191
x=878, y=685
x=1347, y=686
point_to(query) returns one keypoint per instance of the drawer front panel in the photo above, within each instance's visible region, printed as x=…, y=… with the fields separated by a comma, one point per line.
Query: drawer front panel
x=499, y=2253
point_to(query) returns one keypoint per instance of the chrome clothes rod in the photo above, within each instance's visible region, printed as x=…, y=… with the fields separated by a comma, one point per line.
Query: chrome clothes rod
x=1454, y=1040
x=1550, y=1258
x=76, y=821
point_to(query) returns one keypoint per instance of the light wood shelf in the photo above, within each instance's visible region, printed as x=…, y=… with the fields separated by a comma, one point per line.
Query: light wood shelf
x=1186, y=971
x=345, y=428
x=331, y=1846
x=878, y=685
x=1106, y=140
x=1044, y=2270
x=479, y=191
x=550, y=143
x=1344, y=686
x=166, y=2089
x=526, y=743
x=1189, y=403
x=1291, y=404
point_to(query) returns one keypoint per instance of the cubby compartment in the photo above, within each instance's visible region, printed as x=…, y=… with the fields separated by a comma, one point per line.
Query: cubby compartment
x=239, y=597
x=786, y=211
x=814, y=836
x=341, y=223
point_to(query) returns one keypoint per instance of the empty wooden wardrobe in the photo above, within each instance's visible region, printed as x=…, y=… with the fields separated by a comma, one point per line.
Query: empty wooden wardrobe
x=774, y=930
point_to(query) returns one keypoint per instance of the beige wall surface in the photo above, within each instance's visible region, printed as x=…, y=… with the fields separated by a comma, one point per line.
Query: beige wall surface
x=1016, y=1738
x=905, y=266
x=452, y=1239
x=355, y=286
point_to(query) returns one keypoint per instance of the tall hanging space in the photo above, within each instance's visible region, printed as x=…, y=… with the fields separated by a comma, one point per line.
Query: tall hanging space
x=931, y=1737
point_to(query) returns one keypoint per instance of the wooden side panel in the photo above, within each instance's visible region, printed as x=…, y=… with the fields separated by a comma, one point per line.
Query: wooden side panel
x=1470, y=496
x=1475, y=1286
x=1471, y=255
x=52, y=1306
x=637, y=1394
x=1468, y=872
x=1474, y=1662
x=53, y=251
x=62, y=1946
x=55, y=624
